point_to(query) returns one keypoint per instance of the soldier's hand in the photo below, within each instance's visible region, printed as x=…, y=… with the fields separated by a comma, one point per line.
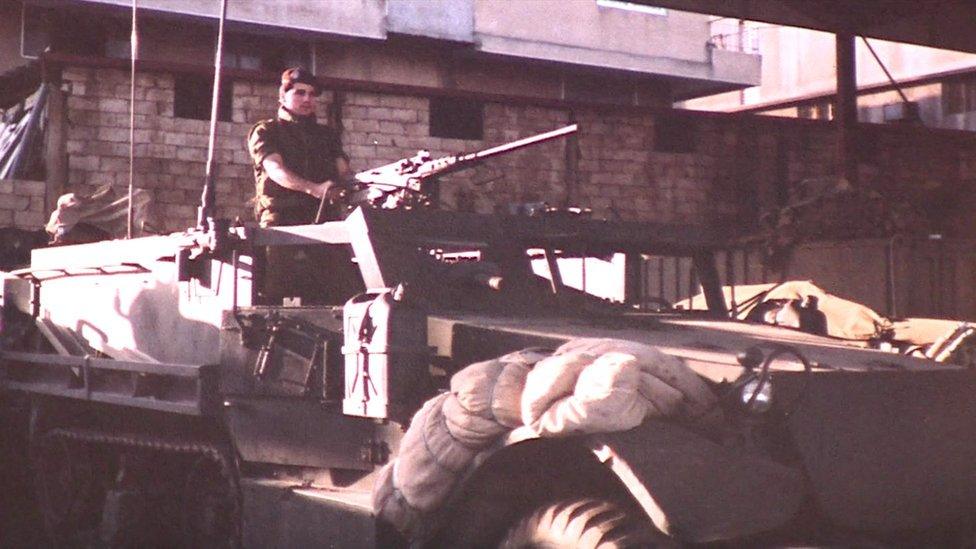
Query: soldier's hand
x=332, y=191
x=317, y=190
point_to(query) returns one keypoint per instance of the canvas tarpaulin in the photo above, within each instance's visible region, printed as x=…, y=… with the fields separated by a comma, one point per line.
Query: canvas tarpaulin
x=21, y=137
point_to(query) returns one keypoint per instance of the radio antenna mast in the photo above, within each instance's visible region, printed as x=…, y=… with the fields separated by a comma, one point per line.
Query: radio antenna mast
x=134, y=42
x=206, y=211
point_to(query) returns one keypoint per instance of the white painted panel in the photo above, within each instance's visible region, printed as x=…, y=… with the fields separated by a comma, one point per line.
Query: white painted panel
x=362, y=18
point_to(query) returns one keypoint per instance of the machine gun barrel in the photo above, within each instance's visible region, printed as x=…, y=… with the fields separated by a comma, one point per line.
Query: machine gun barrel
x=409, y=173
x=525, y=142
x=509, y=147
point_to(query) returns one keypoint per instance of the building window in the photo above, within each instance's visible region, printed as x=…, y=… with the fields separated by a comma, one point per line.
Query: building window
x=35, y=36
x=901, y=112
x=457, y=118
x=674, y=134
x=631, y=6
x=258, y=53
x=193, y=95
x=816, y=111
x=958, y=97
x=73, y=31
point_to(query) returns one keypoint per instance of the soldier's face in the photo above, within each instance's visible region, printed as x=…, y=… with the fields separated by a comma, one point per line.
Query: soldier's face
x=300, y=99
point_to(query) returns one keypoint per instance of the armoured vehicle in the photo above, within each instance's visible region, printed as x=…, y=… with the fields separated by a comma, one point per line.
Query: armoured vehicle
x=170, y=399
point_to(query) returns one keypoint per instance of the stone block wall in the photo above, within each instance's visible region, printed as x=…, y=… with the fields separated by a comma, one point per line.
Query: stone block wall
x=611, y=177
x=22, y=203
x=732, y=168
x=170, y=153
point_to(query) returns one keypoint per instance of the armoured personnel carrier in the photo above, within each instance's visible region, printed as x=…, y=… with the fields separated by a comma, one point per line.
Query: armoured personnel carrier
x=170, y=399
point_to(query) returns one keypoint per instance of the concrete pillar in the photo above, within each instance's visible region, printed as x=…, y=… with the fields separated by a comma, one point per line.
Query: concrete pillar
x=55, y=146
x=634, y=288
x=845, y=107
x=571, y=158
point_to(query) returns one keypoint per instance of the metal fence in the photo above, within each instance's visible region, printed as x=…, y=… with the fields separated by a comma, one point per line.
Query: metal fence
x=901, y=277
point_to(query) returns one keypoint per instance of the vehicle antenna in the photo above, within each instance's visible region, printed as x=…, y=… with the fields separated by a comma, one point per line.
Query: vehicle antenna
x=134, y=40
x=206, y=211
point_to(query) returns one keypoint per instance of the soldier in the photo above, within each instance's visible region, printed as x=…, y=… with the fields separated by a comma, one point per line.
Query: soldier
x=297, y=161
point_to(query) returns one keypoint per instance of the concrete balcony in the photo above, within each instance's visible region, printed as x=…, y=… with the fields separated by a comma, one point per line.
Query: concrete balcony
x=609, y=38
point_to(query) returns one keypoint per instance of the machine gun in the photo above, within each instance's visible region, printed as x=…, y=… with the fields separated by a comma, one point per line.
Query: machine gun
x=408, y=182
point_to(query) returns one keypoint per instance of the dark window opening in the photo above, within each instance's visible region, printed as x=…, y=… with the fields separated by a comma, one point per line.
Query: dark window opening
x=816, y=111
x=193, y=95
x=259, y=53
x=674, y=135
x=958, y=97
x=95, y=33
x=901, y=112
x=36, y=23
x=457, y=118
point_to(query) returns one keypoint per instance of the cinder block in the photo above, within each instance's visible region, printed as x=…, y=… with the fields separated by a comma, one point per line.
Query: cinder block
x=107, y=104
x=393, y=128
x=404, y=102
x=363, y=125
x=160, y=151
x=116, y=135
x=421, y=129
x=76, y=102
x=14, y=202
x=403, y=115
x=226, y=171
x=191, y=154
x=363, y=99
x=193, y=180
x=380, y=113
x=150, y=165
x=242, y=157
x=242, y=88
x=83, y=162
x=29, y=220
x=26, y=187
x=367, y=151
x=158, y=94
x=37, y=204
x=171, y=196
x=113, y=164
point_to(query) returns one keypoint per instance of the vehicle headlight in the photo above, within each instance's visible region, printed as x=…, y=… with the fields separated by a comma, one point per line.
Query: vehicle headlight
x=755, y=398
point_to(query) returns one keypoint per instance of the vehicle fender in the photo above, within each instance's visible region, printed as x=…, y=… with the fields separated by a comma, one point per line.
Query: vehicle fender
x=888, y=450
x=695, y=489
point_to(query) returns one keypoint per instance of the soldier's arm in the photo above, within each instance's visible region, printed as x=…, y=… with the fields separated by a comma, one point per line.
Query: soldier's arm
x=263, y=147
x=342, y=168
x=275, y=167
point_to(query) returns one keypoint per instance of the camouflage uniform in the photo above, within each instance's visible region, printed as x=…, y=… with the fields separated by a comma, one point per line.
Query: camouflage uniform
x=308, y=149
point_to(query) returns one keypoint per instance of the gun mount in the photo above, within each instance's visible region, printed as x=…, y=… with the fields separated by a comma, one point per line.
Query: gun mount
x=167, y=390
x=409, y=182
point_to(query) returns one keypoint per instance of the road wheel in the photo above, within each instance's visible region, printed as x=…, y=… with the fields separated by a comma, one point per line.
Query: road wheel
x=210, y=506
x=584, y=523
x=67, y=489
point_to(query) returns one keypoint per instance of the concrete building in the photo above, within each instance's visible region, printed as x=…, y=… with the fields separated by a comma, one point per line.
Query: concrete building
x=648, y=56
x=798, y=78
x=451, y=75
x=448, y=76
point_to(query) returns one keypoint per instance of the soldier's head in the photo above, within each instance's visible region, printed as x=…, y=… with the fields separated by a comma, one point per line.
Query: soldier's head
x=299, y=91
